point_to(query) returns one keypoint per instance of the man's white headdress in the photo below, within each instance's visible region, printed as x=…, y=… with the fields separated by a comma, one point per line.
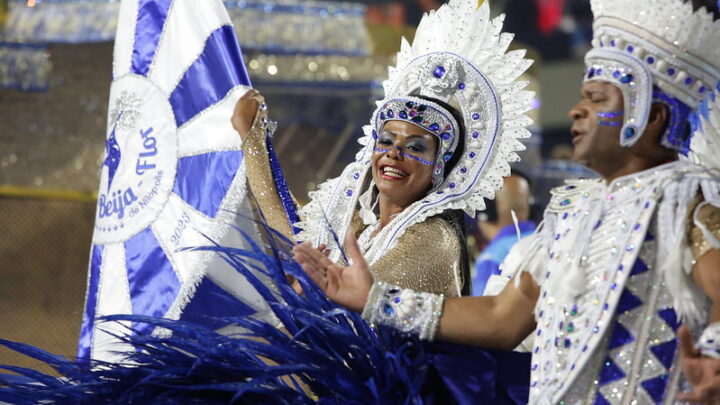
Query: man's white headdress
x=459, y=57
x=655, y=51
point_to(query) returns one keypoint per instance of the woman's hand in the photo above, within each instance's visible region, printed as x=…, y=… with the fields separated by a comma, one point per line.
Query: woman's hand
x=348, y=286
x=245, y=111
x=702, y=373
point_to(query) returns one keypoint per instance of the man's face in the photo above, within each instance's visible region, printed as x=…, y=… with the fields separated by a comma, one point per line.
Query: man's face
x=597, y=120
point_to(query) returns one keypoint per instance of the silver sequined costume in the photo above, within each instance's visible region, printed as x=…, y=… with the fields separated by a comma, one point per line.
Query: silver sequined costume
x=609, y=308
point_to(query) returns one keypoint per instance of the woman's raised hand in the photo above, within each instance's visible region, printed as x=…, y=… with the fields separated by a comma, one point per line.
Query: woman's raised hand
x=245, y=111
x=348, y=286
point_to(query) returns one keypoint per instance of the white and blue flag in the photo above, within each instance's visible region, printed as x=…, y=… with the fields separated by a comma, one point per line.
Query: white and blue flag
x=172, y=174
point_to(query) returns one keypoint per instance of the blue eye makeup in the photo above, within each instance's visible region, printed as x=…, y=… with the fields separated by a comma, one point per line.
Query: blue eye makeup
x=417, y=147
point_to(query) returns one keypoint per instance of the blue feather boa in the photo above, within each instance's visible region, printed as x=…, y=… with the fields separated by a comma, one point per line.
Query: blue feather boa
x=323, y=354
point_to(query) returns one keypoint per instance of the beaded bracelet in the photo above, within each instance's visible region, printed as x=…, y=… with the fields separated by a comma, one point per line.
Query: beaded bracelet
x=404, y=309
x=709, y=343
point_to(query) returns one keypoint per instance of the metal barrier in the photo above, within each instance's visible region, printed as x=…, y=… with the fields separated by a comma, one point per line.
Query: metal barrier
x=44, y=247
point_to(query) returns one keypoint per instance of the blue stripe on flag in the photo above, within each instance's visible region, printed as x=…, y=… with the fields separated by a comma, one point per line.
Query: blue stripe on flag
x=216, y=71
x=203, y=180
x=88, y=323
x=148, y=29
x=210, y=303
x=152, y=280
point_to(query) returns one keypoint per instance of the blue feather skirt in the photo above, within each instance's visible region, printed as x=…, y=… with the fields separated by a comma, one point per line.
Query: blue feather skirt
x=317, y=352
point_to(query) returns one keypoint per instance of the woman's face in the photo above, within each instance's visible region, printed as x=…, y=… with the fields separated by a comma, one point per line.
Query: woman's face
x=403, y=162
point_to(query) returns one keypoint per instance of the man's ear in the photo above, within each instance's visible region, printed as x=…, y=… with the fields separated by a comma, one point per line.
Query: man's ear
x=658, y=121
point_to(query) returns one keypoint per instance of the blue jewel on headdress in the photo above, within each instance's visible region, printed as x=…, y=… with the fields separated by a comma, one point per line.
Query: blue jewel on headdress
x=422, y=107
x=471, y=155
x=612, y=42
x=629, y=132
x=463, y=170
x=349, y=193
x=616, y=74
x=671, y=72
x=388, y=309
x=630, y=48
x=626, y=79
x=374, y=134
x=452, y=185
x=409, y=104
x=382, y=115
x=591, y=73
x=446, y=136
x=702, y=89
x=598, y=72
x=435, y=127
x=417, y=119
x=439, y=72
x=475, y=134
x=461, y=86
x=447, y=156
x=650, y=60
x=390, y=114
x=476, y=116
x=402, y=114
x=356, y=176
x=689, y=81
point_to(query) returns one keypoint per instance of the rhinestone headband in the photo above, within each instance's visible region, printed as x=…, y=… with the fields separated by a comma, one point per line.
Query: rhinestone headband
x=633, y=78
x=428, y=116
x=677, y=72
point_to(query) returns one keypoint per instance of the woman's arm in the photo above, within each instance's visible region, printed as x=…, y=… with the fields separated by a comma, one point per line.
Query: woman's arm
x=494, y=322
x=250, y=121
x=502, y=321
x=701, y=368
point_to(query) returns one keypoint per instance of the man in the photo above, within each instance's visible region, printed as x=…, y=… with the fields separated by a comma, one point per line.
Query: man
x=620, y=262
x=500, y=229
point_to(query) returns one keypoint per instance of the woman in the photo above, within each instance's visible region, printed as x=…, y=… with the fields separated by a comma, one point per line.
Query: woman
x=455, y=91
x=401, y=173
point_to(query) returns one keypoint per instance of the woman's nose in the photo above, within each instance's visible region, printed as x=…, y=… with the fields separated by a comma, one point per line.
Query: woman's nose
x=395, y=152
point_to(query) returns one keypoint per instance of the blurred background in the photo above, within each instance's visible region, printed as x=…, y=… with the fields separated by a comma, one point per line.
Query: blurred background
x=319, y=64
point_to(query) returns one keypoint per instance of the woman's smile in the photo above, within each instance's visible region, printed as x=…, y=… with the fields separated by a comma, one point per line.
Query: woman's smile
x=393, y=173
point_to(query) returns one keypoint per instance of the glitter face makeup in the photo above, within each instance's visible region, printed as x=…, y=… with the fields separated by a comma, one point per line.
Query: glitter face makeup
x=406, y=155
x=612, y=115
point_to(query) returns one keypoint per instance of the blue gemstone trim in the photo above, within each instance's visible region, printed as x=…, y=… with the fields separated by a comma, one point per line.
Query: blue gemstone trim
x=610, y=372
x=655, y=387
